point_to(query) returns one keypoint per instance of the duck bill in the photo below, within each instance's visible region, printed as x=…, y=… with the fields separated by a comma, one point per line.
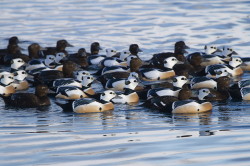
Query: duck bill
x=69, y=45
x=234, y=53
x=244, y=64
x=186, y=47
x=139, y=50
x=218, y=50
x=43, y=48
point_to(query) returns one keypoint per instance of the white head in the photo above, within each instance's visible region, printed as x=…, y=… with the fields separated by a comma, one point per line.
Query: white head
x=235, y=61
x=131, y=83
x=202, y=93
x=179, y=81
x=124, y=55
x=7, y=79
x=59, y=57
x=110, y=52
x=228, y=52
x=49, y=59
x=170, y=62
x=20, y=75
x=79, y=74
x=210, y=49
x=222, y=72
x=133, y=75
x=107, y=95
x=87, y=80
x=17, y=63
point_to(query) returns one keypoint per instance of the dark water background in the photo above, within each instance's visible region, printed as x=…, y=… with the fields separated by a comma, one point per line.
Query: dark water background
x=129, y=135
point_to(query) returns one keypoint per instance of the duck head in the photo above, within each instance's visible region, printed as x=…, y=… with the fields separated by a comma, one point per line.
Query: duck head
x=20, y=75
x=170, y=62
x=179, y=81
x=211, y=49
x=107, y=95
x=16, y=63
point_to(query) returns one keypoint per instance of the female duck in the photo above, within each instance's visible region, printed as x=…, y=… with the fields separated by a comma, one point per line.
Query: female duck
x=29, y=100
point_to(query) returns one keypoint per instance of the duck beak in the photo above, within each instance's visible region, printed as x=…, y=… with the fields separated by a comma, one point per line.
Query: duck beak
x=218, y=50
x=139, y=50
x=100, y=48
x=234, y=53
x=42, y=49
x=186, y=47
x=69, y=45
x=244, y=64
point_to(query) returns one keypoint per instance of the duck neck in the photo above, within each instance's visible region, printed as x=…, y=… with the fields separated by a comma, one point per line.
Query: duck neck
x=128, y=91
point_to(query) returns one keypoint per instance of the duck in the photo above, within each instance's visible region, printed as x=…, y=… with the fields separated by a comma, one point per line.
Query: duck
x=11, y=41
x=164, y=103
x=48, y=76
x=203, y=82
x=89, y=105
x=6, y=88
x=80, y=73
x=236, y=91
x=29, y=100
x=70, y=82
x=12, y=48
x=94, y=58
x=233, y=67
x=179, y=51
x=111, y=61
x=34, y=51
x=191, y=106
x=35, y=64
x=85, y=105
x=80, y=58
x=219, y=90
x=129, y=96
x=20, y=82
x=118, y=84
x=178, y=83
x=150, y=74
x=76, y=92
x=60, y=47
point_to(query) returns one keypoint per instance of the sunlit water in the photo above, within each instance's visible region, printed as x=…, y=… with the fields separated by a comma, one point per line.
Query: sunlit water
x=129, y=135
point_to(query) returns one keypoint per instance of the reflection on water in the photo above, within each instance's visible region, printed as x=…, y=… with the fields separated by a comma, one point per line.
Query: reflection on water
x=129, y=135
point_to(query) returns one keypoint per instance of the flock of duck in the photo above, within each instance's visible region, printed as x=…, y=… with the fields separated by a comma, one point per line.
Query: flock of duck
x=168, y=81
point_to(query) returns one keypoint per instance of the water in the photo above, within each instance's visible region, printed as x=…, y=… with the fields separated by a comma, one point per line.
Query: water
x=129, y=135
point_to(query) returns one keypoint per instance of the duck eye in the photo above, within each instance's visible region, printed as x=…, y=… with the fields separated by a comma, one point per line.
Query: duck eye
x=135, y=81
x=228, y=49
x=10, y=77
x=214, y=47
x=23, y=72
x=182, y=78
x=231, y=49
x=174, y=80
x=19, y=61
x=204, y=91
x=165, y=62
x=112, y=50
x=225, y=70
x=103, y=94
x=88, y=77
x=237, y=60
x=125, y=52
x=173, y=59
x=111, y=93
x=211, y=47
